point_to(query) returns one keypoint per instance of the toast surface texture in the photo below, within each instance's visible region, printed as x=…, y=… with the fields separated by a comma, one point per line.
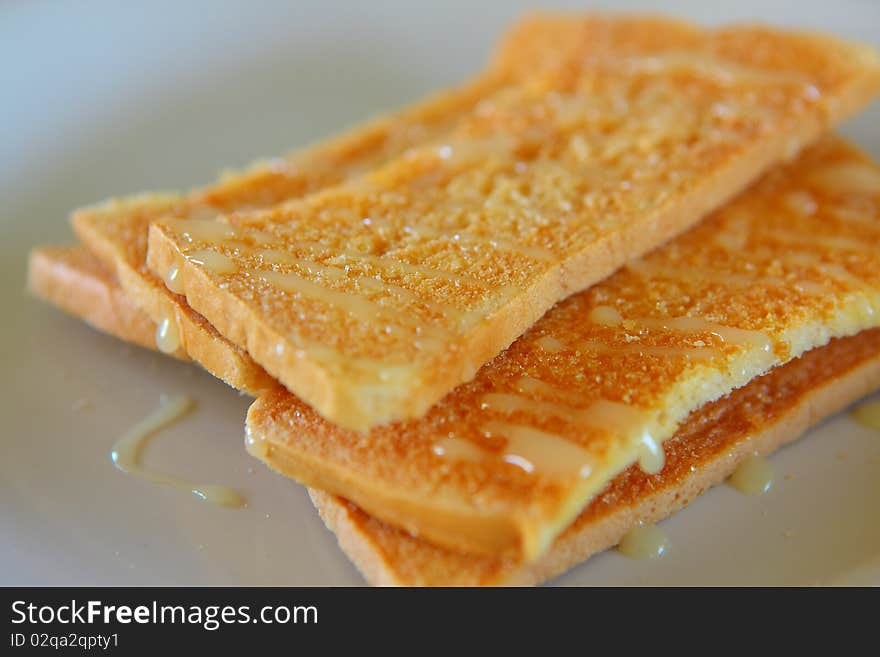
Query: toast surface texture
x=374, y=298
x=508, y=460
x=760, y=417
x=116, y=230
x=769, y=412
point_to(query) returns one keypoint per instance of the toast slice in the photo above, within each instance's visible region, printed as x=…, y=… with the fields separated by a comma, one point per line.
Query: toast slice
x=116, y=230
x=505, y=462
x=759, y=417
x=373, y=299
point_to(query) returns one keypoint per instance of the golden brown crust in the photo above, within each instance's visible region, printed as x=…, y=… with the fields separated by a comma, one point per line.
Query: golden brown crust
x=72, y=279
x=116, y=231
x=758, y=418
x=777, y=272
x=567, y=194
x=773, y=410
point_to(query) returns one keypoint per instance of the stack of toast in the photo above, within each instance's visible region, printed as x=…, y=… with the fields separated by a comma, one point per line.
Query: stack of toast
x=497, y=330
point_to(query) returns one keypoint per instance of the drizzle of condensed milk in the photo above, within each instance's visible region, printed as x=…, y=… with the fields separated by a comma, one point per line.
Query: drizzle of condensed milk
x=383, y=264
x=531, y=386
x=368, y=285
x=832, y=271
x=601, y=413
x=352, y=304
x=644, y=541
x=173, y=279
x=652, y=458
x=208, y=230
x=126, y=454
x=539, y=452
x=628, y=422
x=689, y=353
x=867, y=414
x=283, y=258
x=168, y=335
x=754, y=476
x=458, y=449
x=550, y=344
x=830, y=243
x=728, y=334
x=606, y=316
x=801, y=202
x=256, y=445
x=625, y=421
x=848, y=178
x=651, y=269
x=213, y=261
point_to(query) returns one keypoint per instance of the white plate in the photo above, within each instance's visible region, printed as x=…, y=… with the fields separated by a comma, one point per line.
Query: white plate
x=100, y=100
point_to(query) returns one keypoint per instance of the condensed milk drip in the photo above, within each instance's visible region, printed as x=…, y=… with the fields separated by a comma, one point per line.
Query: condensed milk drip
x=550, y=344
x=628, y=422
x=829, y=243
x=601, y=413
x=848, y=178
x=355, y=305
x=310, y=276
x=384, y=264
x=867, y=414
x=652, y=458
x=689, y=353
x=257, y=446
x=213, y=261
x=508, y=404
x=539, y=452
x=644, y=541
x=606, y=316
x=168, y=335
x=173, y=280
x=127, y=450
x=352, y=304
x=728, y=334
x=631, y=423
x=754, y=476
x=531, y=386
x=801, y=202
x=458, y=449
x=208, y=230
x=529, y=449
x=725, y=278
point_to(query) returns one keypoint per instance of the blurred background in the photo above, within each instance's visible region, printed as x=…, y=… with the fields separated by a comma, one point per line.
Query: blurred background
x=103, y=98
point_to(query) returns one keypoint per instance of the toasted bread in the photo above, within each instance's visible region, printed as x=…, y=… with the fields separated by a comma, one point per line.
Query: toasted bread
x=508, y=460
x=116, y=230
x=766, y=413
x=769, y=412
x=373, y=299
